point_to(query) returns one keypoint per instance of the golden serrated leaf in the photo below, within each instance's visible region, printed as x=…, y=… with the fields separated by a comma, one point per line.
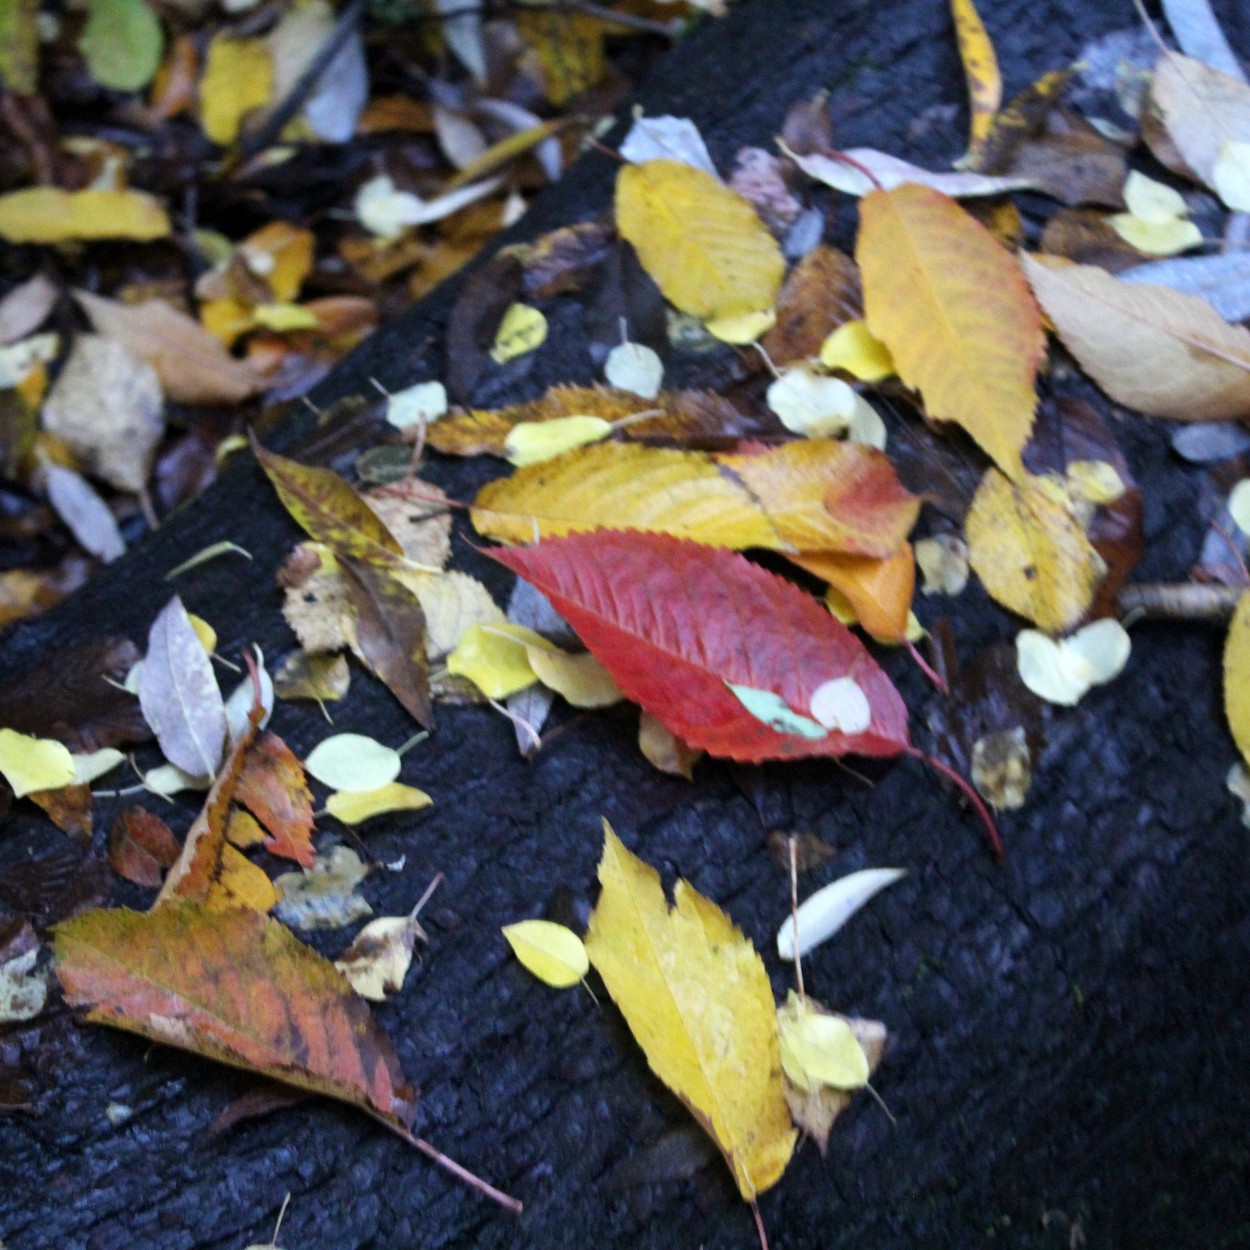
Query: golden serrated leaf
x=696, y=997
x=1026, y=544
x=704, y=244
x=953, y=308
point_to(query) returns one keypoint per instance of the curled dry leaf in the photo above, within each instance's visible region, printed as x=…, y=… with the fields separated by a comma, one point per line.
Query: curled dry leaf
x=254, y=997
x=820, y=916
x=696, y=997
x=860, y=171
x=955, y=312
x=323, y=896
x=673, y=622
x=552, y=952
x=179, y=696
x=703, y=244
x=1027, y=546
x=1151, y=348
x=380, y=955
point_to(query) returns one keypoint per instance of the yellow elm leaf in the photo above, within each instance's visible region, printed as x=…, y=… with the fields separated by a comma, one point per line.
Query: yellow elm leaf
x=955, y=312
x=581, y=679
x=353, y=807
x=50, y=215
x=238, y=77
x=29, y=764
x=532, y=442
x=1237, y=676
x=1027, y=546
x=696, y=997
x=554, y=954
x=522, y=330
x=985, y=84
x=494, y=658
x=704, y=244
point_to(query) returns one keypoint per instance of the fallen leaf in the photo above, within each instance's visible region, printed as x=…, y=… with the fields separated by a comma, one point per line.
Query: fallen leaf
x=819, y=1048
x=532, y=443
x=355, y=807
x=122, y=43
x=380, y=955
x=19, y=46
x=816, y=495
x=704, y=245
x=1198, y=32
x=522, y=330
x=580, y=679
x=955, y=312
x=50, y=215
x=418, y=405
x=860, y=171
x=1148, y=347
x=1029, y=549
x=665, y=750
x=27, y=306
x=330, y=511
x=879, y=591
x=674, y=621
x=238, y=77
x=1237, y=676
x=319, y=676
x=271, y=786
x=553, y=953
x=821, y=293
x=495, y=658
x=667, y=138
x=1231, y=174
x=824, y=913
x=323, y=896
x=336, y=102
x=636, y=368
x=23, y=986
x=353, y=762
x=390, y=634
x=106, y=407
x=985, y=85
x=254, y=997
x=30, y=764
x=1064, y=671
x=179, y=696
x=141, y=847
x=85, y=514
x=811, y=404
x=93, y=765
x=696, y=997
x=70, y=808
x=853, y=348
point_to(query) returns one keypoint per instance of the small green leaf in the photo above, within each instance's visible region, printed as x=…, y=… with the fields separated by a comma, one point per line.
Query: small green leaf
x=773, y=710
x=122, y=43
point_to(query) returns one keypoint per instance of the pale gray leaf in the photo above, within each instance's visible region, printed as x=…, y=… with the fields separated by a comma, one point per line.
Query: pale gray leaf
x=463, y=33
x=1198, y=32
x=1222, y=280
x=822, y=915
x=1208, y=442
x=335, y=107
x=667, y=139
x=25, y=308
x=179, y=696
x=88, y=517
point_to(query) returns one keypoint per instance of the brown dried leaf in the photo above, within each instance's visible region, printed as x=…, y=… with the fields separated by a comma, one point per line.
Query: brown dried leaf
x=141, y=847
x=820, y=293
x=272, y=786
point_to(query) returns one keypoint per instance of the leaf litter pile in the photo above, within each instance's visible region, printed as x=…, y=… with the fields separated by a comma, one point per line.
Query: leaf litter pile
x=738, y=561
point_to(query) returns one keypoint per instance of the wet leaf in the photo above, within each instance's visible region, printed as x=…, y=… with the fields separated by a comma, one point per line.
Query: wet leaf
x=353, y=762
x=254, y=997
x=696, y=997
x=29, y=764
x=324, y=896
x=141, y=847
x=1165, y=354
x=379, y=957
x=353, y=808
x=1028, y=547
x=50, y=215
x=271, y=785
x=122, y=43
x=702, y=243
x=957, y=316
x=553, y=953
x=985, y=85
x=179, y=696
x=824, y=913
x=673, y=622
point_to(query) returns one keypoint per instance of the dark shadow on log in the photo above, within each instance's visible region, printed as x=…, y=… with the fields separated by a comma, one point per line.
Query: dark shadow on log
x=1070, y=1051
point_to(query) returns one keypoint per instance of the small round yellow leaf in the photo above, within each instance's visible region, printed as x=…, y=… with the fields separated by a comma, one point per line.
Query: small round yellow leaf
x=854, y=348
x=354, y=807
x=819, y=1049
x=493, y=658
x=1157, y=238
x=523, y=329
x=30, y=764
x=531, y=442
x=554, y=954
x=742, y=328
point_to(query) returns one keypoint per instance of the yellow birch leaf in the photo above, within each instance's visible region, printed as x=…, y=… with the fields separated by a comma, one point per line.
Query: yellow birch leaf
x=494, y=658
x=696, y=997
x=532, y=442
x=50, y=215
x=238, y=77
x=819, y=1048
x=353, y=807
x=30, y=764
x=581, y=679
x=554, y=954
x=1237, y=676
x=852, y=347
x=956, y=313
x=522, y=330
x=1028, y=548
x=985, y=84
x=704, y=244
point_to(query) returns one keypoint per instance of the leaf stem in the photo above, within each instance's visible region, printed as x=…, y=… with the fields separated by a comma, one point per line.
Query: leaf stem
x=792, y=842
x=759, y=1224
x=966, y=789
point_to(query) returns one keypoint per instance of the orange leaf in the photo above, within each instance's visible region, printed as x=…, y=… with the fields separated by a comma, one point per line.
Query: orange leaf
x=141, y=846
x=272, y=786
x=956, y=313
x=238, y=987
x=879, y=591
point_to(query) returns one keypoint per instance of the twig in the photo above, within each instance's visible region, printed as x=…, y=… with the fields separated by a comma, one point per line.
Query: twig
x=1184, y=601
x=965, y=788
x=792, y=841
x=449, y=1164
x=759, y=1224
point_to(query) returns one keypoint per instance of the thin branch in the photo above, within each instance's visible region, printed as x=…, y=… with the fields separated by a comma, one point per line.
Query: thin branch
x=1184, y=601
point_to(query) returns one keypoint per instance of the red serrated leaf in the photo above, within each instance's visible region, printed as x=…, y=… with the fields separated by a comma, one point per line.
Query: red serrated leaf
x=673, y=621
x=272, y=787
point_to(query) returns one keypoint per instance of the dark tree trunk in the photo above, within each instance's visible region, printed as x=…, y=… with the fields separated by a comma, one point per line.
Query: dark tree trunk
x=1069, y=1045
